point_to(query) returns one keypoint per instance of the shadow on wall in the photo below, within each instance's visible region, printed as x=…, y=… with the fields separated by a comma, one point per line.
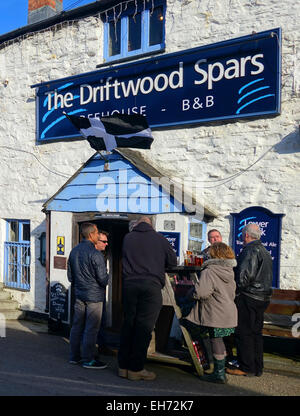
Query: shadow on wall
x=289, y=144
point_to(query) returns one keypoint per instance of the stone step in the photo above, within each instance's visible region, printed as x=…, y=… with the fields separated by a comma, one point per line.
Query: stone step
x=8, y=304
x=4, y=295
x=9, y=308
x=12, y=314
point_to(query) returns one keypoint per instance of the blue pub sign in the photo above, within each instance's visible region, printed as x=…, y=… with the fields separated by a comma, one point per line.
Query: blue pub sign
x=174, y=240
x=233, y=79
x=270, y=227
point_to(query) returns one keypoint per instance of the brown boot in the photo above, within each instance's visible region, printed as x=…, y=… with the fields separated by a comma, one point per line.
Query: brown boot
x=123, y=372
x=141, y=375
x=238, y=372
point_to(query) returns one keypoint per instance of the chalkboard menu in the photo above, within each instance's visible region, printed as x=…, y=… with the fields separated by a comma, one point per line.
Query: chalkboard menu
x=59, y=302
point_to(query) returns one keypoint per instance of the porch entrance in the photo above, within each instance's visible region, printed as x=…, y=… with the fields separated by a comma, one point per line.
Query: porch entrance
x=117, y=229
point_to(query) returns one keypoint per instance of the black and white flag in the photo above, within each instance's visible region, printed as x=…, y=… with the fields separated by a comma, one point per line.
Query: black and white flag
x=120, y=130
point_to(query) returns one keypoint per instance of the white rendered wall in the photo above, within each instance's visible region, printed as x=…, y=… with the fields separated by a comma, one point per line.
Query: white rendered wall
x=31, y=173
x=181, y=226
x=213, y=152
x=61, y=226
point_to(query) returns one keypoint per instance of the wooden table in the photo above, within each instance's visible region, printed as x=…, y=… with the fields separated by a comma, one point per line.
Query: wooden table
x=165, y=319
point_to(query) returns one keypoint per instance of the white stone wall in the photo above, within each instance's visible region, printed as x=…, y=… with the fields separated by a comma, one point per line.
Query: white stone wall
x=31, y=173
x=214, y=152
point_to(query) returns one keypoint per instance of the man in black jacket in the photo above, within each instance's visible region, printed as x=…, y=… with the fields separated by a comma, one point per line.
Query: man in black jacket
x=88, y=275
x=254, y=289
x=146, y=254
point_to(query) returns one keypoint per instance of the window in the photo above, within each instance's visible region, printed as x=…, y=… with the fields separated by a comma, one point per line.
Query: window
x=139, y=30
x=42, y=257
x=197, y=231
x=17, y=255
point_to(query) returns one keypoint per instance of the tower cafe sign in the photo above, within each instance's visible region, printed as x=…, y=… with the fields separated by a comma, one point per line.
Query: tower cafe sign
x=236, y=78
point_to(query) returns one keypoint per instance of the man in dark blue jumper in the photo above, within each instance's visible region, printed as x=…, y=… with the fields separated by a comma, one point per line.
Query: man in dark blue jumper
x=146, y=254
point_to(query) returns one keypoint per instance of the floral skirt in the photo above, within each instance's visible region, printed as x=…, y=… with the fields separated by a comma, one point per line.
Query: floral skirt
x=219, y=332
x=198, y=331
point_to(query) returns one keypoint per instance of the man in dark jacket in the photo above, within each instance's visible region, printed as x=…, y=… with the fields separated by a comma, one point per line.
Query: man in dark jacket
x=146, y=254
x=88, y=275
x=254, y=289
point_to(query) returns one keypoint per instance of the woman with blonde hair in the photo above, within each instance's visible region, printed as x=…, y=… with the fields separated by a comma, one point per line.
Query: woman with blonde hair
x=215, y=311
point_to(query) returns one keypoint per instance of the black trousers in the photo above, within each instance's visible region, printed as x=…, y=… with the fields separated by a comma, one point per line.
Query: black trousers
x=248, y=335
x=142, y=302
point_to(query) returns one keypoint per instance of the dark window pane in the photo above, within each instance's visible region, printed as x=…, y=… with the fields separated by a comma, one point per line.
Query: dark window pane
x=14, y=231
x=134, y=32
x=156, y=26
x=114, y=38
x=26, y=232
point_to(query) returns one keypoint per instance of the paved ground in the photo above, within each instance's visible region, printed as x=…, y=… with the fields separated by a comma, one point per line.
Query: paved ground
x=34, y=363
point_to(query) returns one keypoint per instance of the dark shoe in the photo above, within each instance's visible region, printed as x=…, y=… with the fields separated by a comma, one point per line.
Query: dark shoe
x=74, y=362
x=238, y=372
x=218, y=376
x=208, y=368
x=98, y=365
x=212, y=378
x=141, y=375
x=259, y=374
x=232, y=363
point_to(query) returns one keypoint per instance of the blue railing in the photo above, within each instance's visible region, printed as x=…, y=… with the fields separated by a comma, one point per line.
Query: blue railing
x=17, y=265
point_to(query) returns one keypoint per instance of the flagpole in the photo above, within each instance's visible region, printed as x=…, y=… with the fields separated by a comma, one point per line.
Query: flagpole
x=106, y=164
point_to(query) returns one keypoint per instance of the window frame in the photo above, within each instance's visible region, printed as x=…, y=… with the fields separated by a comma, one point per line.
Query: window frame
x=19, y=246
x=145, y=35
x=201, y=240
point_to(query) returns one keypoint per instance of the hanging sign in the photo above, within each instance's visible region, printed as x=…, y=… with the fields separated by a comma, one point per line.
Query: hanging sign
x=270, y=227
x=233, y=79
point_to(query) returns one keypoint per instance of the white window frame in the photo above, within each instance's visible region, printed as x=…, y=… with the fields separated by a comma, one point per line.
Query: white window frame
x=145, y=36
x=198, y=239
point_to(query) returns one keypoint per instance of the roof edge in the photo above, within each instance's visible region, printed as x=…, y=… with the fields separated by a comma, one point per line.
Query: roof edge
x=77, y=13
x=66, y=183
x=173, y=188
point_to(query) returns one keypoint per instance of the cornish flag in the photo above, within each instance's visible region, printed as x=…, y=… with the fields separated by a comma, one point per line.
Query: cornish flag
x=120, y=130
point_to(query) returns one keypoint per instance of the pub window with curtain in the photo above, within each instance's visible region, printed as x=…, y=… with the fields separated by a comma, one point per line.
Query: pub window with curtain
x=140, y=29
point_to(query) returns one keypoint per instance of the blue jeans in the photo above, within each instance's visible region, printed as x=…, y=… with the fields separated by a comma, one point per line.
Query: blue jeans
x=101, y=338
x=86, y=323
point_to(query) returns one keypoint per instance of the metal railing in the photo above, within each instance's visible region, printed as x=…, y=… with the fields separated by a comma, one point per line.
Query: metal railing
x=17, y=265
